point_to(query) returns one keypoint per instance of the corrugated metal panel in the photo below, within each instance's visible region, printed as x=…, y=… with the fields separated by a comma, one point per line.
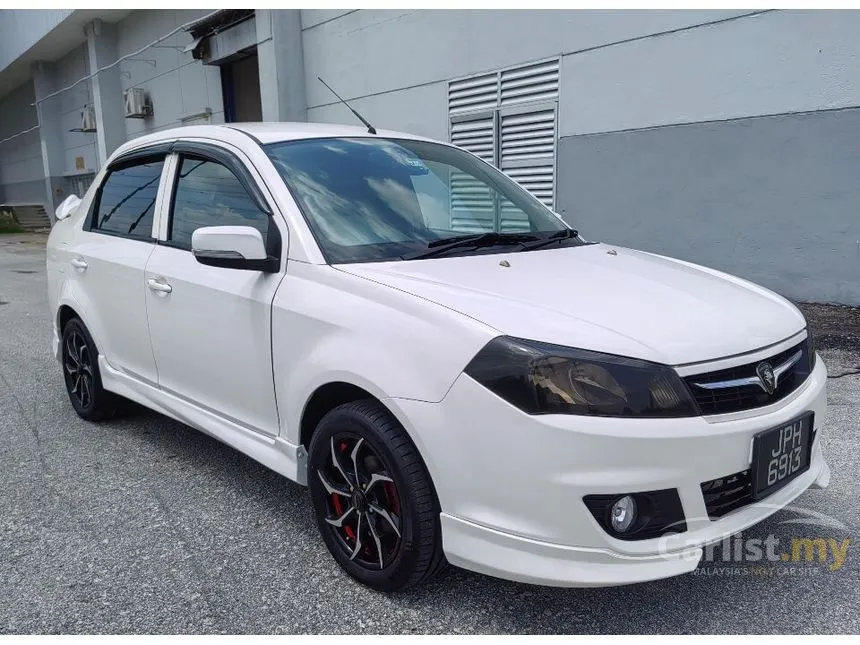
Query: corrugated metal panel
x=537, y=82
x=475, y=93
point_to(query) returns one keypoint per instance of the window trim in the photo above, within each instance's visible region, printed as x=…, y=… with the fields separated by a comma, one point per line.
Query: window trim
x=216, y=154
x=137, y=157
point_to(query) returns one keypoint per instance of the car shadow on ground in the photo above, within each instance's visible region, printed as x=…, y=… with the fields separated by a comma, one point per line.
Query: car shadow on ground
x=482, y=603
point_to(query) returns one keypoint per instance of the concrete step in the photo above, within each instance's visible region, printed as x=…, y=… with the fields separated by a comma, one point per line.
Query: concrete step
x=29, y=216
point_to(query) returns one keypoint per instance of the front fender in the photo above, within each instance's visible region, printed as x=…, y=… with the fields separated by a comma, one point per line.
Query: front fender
x=330, y=326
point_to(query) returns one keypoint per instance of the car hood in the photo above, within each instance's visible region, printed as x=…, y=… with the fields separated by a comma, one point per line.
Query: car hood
x=603, y=298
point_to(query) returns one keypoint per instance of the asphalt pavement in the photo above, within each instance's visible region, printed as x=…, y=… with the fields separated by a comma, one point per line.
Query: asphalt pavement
x=144, y=525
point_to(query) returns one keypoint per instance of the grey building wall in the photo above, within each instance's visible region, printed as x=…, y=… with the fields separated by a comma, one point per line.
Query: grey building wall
x=761, y=181
x=21, y=176
x=70, y=68
x=773, y=199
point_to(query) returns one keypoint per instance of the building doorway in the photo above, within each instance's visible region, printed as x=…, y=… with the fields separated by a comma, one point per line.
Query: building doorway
x=240, y=85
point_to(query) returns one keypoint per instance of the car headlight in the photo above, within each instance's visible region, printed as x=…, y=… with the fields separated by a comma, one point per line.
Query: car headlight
x=540, y=378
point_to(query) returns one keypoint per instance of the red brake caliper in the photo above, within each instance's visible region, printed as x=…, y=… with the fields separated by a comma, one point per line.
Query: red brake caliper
x=391, y=498
x=338, y=507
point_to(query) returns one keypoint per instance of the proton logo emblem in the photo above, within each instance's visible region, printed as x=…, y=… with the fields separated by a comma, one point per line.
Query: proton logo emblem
x=766, y=376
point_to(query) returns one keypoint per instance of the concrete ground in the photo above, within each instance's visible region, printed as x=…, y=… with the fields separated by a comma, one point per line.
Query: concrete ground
x=145, y=525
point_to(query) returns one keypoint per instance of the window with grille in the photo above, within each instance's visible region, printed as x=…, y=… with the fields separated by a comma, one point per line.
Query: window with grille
x=508, y=118
x=79, y=184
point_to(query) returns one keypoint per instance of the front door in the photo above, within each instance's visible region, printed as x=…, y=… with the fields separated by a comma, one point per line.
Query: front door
x=210, y=326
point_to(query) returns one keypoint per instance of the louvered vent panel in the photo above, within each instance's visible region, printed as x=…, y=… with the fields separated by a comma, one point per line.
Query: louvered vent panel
x=538, y=180
x=528, y=136
x=475, y=136
x=538, y=82
x=476, y=93
x=471, y=205
x=471, y=202
x=512, y=219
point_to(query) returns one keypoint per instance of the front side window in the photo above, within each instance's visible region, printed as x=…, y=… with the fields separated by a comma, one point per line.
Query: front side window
x=375, y=199
x=209, y=194
x=127, y=200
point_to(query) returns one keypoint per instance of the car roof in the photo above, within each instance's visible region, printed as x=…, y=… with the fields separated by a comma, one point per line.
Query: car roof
x=287, y=131
x=263, y=133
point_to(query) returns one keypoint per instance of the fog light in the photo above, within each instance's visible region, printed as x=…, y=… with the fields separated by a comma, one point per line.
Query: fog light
x=623, y=513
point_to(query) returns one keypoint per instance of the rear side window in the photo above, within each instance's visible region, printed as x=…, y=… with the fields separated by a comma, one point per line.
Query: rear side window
x=209, y=194
x=127, y=201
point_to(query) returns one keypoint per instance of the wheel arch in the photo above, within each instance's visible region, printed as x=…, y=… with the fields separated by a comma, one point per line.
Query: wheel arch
x=64, y=314
x=72, y=304
x=332, y=393
x=324, y=399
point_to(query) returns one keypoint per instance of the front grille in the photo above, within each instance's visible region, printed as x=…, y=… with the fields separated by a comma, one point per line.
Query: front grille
x=746, y=397
x=725, y=494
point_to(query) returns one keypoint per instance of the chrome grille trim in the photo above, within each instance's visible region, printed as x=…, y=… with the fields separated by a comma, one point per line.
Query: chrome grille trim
x=778, y=371
x=761, y=354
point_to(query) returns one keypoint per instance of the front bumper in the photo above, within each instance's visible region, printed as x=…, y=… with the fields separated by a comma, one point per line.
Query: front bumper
x=511, y=485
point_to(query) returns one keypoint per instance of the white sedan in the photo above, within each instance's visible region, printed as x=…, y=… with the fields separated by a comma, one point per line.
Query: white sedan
x=455, y=373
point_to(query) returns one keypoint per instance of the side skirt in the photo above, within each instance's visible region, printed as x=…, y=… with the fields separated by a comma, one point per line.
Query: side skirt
x=283, y=457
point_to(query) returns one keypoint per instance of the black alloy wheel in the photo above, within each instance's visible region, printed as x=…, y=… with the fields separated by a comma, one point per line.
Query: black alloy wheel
x=363, y=506
x=80, y=359
x=374, y=502
x=78, y=365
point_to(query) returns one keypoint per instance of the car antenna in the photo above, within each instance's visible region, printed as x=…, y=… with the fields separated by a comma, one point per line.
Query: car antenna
x=370, y=128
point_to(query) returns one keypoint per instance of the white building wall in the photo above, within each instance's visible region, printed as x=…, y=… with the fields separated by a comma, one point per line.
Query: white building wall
x=22, y=29
x=178, y=86
x=370, y=56
x=774, y=63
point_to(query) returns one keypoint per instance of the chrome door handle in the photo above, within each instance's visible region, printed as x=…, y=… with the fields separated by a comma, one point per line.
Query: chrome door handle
x=159, y=287
x=79, y=264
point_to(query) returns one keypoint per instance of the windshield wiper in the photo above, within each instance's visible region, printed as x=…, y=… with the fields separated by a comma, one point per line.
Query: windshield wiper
x=559, y=236
x=445, y=244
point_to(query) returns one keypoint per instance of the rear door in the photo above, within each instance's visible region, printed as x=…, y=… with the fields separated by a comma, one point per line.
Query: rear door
x=211, y=326
x=111, y=256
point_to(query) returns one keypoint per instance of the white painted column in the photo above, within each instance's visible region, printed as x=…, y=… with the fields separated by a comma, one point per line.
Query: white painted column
x=50, y=134
x=106, y=89
x=282, y=65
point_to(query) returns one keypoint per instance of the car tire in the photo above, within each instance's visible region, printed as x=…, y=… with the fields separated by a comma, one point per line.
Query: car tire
x=392, y=537
x=83, y=379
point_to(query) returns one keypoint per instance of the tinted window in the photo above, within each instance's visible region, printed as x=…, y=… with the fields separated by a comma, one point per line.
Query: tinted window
x=208, y=194
x=127, y=201
x=379, y=199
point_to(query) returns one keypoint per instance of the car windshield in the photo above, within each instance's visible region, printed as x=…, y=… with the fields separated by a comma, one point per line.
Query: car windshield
x=376, y=199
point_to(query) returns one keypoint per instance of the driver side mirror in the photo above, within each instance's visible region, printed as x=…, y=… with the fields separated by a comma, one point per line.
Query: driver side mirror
x=68, y=206
x=232, y=247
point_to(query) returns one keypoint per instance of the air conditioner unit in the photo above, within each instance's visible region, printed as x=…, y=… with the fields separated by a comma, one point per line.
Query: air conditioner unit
x=88, y=119
x=135, y=103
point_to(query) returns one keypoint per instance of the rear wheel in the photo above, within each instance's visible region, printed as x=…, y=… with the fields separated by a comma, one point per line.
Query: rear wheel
x=83, y=379
x=374, y=502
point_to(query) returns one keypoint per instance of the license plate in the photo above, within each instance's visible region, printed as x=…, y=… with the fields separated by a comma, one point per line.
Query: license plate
x=781, y=454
